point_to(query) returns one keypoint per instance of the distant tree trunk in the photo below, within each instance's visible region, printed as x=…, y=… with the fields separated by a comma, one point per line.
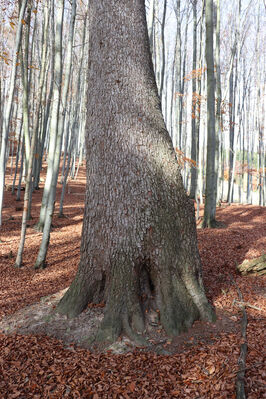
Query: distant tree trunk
x=68, y=63
x=231, y=132
x=232, y=103
x=21, y=171
x=139, y=249
x=194, y=138
x=64, y=180
x=24, y=65
x=19, y=151
x=199, y=118
x=52, y=142
x=8, y=107
x=27, y=194
x=163, y=49
x=177, y=140
x=182, y=84
x=210, y=191
x=218, y=115
x=44, y=66
x=56, y=139
x=150, y=23
x=157, y=44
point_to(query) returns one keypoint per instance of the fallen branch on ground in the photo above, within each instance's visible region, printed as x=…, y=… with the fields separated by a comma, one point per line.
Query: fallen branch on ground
x=239, y=303
x=240, y=380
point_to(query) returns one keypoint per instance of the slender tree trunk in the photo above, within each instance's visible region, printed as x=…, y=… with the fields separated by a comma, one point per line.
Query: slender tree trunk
x=201, y=75
x=182, y=132
x=194, y=138
x=44, y=65
x=56, y=136
x=68, y=63
x=19, y=151
x=231, y=132
x=157, y=45
x=8, y=108
x=150, y=23
x=24, y=64
x=64, y=182
x=27, y=194
x=21, y=171
x=163, y=48
x=218, y=115
x=210, y=191
x=53, y=86
x=177, y=140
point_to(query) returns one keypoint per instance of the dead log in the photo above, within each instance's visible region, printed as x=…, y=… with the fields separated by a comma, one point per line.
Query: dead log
x=255, y=266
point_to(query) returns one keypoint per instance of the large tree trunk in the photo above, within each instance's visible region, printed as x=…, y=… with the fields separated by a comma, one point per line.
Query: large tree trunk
x=139, y=247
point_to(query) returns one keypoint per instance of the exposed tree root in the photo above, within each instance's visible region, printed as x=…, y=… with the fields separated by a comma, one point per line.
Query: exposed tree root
x=138, y=299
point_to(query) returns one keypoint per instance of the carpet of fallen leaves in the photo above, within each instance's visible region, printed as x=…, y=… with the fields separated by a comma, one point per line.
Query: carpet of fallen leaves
x=204, y=367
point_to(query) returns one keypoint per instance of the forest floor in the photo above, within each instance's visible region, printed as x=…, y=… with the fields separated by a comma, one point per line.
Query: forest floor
x=49, y=359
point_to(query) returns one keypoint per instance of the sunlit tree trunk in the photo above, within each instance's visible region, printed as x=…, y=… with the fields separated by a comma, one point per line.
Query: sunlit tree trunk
x=177, y=140
x=200, y=132
x=139, y=233
x=19, y=151
x=44, y=66
x=194, y=138
x=8, y=107
x=150, y=22
x=218, y=115
x=210, y=190
x=52, y=139
x=163, y=49
x=24, y=65
x=55, y=135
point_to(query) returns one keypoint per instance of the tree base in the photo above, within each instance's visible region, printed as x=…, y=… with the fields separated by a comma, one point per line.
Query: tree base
x=212, y=224
x=40, y=265
x=137, y=300
x=39, y=227
x=18, y=265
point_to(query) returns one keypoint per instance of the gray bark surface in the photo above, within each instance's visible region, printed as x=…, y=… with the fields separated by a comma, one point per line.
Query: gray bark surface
x=139, y=248
x=8, y=108
x=55, y=141
x=194, y=138
x=210, y=191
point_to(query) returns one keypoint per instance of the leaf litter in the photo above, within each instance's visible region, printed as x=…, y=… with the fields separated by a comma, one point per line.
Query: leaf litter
x=43, y=358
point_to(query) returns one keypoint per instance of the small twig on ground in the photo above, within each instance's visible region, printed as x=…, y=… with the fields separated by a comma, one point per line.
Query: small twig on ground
x=250, y=367
x=240, y=304
x=240, y=380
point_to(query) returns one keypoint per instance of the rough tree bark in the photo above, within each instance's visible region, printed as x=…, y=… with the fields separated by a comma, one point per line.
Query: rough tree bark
x=8, y=106
x=211, y=169
x=139, y=248
x=194, y=138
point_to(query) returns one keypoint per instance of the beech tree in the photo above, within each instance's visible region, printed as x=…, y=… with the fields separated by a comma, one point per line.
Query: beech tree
x=8, y=105
x=139, y=248
x=211, y=191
